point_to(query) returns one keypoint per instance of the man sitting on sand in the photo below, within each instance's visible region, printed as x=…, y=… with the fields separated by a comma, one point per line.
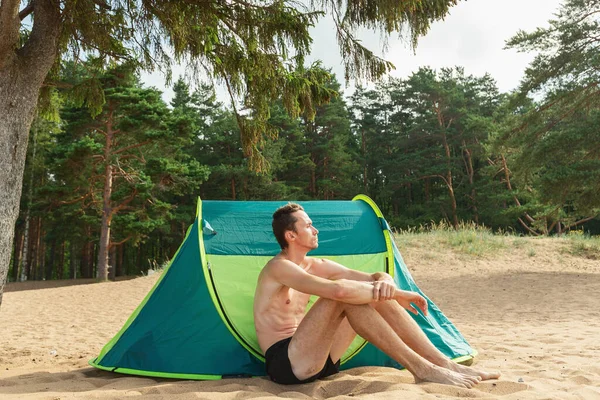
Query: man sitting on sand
x=304, y=346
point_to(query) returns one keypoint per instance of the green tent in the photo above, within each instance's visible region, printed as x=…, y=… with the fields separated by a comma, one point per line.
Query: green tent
x=197, y=322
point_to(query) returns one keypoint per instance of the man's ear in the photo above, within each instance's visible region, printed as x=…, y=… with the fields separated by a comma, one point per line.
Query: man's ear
x=289, y=235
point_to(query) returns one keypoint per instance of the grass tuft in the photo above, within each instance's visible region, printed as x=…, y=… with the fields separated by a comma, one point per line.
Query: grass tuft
x=583, y=246
x=469, y=238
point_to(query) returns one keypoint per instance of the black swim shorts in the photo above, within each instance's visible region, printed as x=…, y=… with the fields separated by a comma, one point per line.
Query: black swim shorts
x=279, y=367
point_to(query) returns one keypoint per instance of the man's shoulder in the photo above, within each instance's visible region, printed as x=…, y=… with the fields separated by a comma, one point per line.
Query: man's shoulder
x=278, y=266
x=275, y=264
x=275, y=261
x=317, y=263
x=316, y=260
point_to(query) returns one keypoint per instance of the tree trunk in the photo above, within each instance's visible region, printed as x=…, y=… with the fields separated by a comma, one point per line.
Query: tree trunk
x=102, y=271
x=515, y=198
x=72, y=261
x=246, y=195
x=23, y=263
x=87, y=255
x=16, y=114
x=22, y=73
x=119, y=268
x=41, y=254
x=83, y=260
x=364, y=154
x=138, y=259
x=313, y=180
x=113, y=263
x=36, y=248
x=233, y=194
x=326, y=190
x=23, y=276
x=60, y=269
x=448, y=178
x=31, y=249
x=453, y=203
x=49, y=267
x=468, y=159
x=17, y=256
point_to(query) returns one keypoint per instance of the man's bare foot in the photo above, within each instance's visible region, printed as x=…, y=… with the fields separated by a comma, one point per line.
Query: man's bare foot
x=441, y=375
x=463, y=369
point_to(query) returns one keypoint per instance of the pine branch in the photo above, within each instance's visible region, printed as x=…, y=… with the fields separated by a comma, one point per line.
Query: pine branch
x=124, y=203
x=113, y=244
x=81, y=198
x=442, y=177
x=133, y=146
x=24, y=13
x=530, y=230
x=581, y=221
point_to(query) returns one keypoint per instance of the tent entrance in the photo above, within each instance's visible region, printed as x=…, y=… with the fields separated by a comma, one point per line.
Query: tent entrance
x=234, y=278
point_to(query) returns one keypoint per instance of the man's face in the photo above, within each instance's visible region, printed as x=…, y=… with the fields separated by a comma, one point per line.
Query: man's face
x=306, y=234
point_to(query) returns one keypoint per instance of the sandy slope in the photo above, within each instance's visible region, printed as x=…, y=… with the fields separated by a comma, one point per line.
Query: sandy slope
x=534, y=317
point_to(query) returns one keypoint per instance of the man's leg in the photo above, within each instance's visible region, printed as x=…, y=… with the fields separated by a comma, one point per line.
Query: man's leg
x=410, y=332
x=313, y=340
x=343, y=339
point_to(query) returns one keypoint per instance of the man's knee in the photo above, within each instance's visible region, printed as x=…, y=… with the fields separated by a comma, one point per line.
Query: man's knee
x=330, y=303
x=344, y=307
x=339, y=305
x=384, y=305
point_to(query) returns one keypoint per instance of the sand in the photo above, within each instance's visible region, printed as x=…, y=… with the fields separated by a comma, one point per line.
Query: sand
x=532, y=314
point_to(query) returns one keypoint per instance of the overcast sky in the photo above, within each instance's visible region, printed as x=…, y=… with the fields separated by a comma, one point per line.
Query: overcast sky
x=472, y=35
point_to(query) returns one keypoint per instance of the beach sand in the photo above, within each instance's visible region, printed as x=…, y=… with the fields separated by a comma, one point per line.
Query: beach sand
x=531, y=312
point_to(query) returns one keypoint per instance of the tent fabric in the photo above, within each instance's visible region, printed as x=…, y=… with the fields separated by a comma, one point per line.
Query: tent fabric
x=247, y=225
x=196, y=323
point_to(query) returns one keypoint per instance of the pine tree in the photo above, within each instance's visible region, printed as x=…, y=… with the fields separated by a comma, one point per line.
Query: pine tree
x=556, y=141
x=137, y=157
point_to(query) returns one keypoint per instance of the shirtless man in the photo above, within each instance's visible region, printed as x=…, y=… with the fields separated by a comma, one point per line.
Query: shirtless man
x=300, y=347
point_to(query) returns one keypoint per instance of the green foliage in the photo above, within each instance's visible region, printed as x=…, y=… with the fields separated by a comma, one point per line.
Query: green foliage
x=555, y=142
x=257, y=49
x=422, y=145
x=141, y=141
x=400, y=143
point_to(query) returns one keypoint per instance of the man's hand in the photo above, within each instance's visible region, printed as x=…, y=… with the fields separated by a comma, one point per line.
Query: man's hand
x=405, y=298
x=384, y=290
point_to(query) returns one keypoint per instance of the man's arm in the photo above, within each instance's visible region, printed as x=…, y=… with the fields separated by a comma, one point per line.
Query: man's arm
x=383, y=285
x=331, y=270
x=344, y=290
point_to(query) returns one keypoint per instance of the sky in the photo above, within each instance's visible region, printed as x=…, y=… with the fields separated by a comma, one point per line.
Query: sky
x=473, y=36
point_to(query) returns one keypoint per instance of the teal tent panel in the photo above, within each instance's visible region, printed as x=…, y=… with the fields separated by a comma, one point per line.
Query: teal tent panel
x=244, y=228
x=178, y=330
x=442, y=333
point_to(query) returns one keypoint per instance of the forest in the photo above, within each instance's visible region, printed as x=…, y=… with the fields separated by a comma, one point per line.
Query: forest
x=113, y=172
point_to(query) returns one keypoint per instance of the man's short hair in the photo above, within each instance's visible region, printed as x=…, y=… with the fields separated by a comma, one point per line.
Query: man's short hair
x=283, y=221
